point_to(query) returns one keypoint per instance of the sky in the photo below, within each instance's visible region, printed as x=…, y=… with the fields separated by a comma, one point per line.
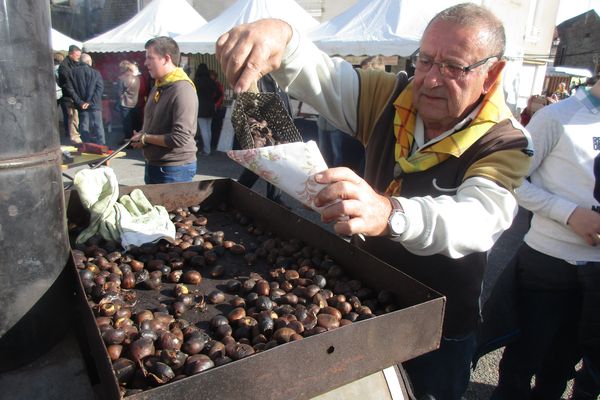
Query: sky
x=570, y=8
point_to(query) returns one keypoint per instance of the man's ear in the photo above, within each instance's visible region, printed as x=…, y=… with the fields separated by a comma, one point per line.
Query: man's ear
x=492, y=75
x=168, y=58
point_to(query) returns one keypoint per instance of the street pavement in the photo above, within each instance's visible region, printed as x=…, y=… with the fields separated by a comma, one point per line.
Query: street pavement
x=130, y=171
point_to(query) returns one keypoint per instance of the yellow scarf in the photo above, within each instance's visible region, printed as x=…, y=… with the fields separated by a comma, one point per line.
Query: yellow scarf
x=494, y=110
x=178, y=74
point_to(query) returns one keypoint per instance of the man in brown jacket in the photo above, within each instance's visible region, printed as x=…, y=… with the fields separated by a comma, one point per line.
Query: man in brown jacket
x=167, y=136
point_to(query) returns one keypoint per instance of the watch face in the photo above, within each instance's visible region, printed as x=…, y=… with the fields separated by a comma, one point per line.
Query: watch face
x=397, y=223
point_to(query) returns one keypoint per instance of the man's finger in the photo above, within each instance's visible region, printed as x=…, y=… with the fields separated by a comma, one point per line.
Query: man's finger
x=253, y=70
x=337, y=174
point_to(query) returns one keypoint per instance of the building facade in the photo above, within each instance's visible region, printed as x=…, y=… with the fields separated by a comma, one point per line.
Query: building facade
x=579, y=42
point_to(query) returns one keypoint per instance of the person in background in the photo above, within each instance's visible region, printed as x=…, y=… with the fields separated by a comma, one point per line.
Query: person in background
x=88, y=86
x=558, y=265
x=373, y=62
x=562, y=92
x=170, y=117
x=443, y=157
x=58, y=59
x=145, y=87
x=220, y=110
x=248, y=178
x=128, y=89
x=70, y=115
x=534, y=104
x=208, y=94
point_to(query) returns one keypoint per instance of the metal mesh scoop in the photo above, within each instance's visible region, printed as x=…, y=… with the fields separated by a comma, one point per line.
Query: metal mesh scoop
x=260, y=119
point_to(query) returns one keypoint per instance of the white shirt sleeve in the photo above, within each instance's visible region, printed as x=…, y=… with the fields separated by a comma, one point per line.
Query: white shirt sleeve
x=467, y=222
x=329, y=85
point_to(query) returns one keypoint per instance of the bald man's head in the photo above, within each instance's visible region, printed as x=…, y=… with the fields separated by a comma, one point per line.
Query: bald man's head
x=86, y=59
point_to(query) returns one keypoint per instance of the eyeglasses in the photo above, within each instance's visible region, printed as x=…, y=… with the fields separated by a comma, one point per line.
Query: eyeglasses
x=447, y=70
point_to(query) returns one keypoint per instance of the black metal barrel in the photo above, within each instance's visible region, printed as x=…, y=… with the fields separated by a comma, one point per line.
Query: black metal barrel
x=34, y=246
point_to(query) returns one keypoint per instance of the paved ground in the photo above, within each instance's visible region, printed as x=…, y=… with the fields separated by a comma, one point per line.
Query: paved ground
x=60, y=374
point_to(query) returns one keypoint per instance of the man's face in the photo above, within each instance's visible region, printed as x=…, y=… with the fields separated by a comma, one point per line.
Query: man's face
x=442, y=101
x=156, y=64
x=75, y=55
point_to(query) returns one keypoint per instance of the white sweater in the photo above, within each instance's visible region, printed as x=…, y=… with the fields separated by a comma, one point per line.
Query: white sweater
x=455, y=225
x=566, y=138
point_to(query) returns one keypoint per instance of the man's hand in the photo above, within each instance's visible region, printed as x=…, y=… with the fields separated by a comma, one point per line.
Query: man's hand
x=85, y=106
x=249, y=51
x=586, y=223
x=135, y=140
x=367, y=212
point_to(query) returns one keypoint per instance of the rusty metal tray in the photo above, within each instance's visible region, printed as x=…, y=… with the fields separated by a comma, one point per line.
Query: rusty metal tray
x=296, y=370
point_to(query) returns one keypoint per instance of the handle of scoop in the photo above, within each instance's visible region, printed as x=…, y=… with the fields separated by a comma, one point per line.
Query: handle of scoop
x=96, y=164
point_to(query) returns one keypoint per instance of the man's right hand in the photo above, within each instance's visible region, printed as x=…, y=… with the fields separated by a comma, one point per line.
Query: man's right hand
x=249, y=51
x=586, y=223
x=135, y=140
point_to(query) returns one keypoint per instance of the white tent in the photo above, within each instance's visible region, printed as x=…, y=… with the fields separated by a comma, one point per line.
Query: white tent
x=568, y=71
x=61, y=42
x=372, y=27
x=203, y=39
x=159, y=18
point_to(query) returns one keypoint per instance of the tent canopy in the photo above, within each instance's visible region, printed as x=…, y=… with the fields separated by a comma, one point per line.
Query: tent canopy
x=568, y=71
x=61, y=42
x=203, y=39
x=159, y=18
x=372, y=27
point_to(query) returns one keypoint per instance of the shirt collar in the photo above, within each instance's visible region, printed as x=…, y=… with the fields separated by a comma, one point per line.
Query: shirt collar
x=587, y=99
x=420, y=128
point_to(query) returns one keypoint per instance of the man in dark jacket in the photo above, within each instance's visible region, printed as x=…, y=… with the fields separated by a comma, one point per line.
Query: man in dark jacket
x=88, y=86
x=70, y=116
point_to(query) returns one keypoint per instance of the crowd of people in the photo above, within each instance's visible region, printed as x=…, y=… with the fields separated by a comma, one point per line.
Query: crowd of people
x=445, y=168
x=80, y=94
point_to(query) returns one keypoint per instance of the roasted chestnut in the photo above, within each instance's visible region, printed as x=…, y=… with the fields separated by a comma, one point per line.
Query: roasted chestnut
x=192, y=277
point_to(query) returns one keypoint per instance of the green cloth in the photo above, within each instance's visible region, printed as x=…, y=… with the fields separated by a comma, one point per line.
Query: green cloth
x=132, y=220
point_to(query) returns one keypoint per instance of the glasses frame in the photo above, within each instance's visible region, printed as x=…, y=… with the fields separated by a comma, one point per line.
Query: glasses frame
x=442, y=66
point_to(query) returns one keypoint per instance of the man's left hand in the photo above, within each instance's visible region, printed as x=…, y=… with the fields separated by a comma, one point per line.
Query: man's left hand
x=352, y=203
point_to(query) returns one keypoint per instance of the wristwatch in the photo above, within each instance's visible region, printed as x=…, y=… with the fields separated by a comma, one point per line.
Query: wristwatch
x=397, y=221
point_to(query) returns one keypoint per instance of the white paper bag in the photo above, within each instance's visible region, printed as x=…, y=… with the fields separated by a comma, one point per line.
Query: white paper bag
x=291, y=167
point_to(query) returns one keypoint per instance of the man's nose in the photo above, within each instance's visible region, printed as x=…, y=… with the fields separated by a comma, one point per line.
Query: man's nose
x=433, y=77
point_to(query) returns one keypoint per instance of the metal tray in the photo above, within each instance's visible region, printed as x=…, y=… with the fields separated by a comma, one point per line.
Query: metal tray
x=296, y=370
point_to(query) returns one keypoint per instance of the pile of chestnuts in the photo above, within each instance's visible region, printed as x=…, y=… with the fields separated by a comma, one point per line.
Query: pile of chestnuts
x=170, y=310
